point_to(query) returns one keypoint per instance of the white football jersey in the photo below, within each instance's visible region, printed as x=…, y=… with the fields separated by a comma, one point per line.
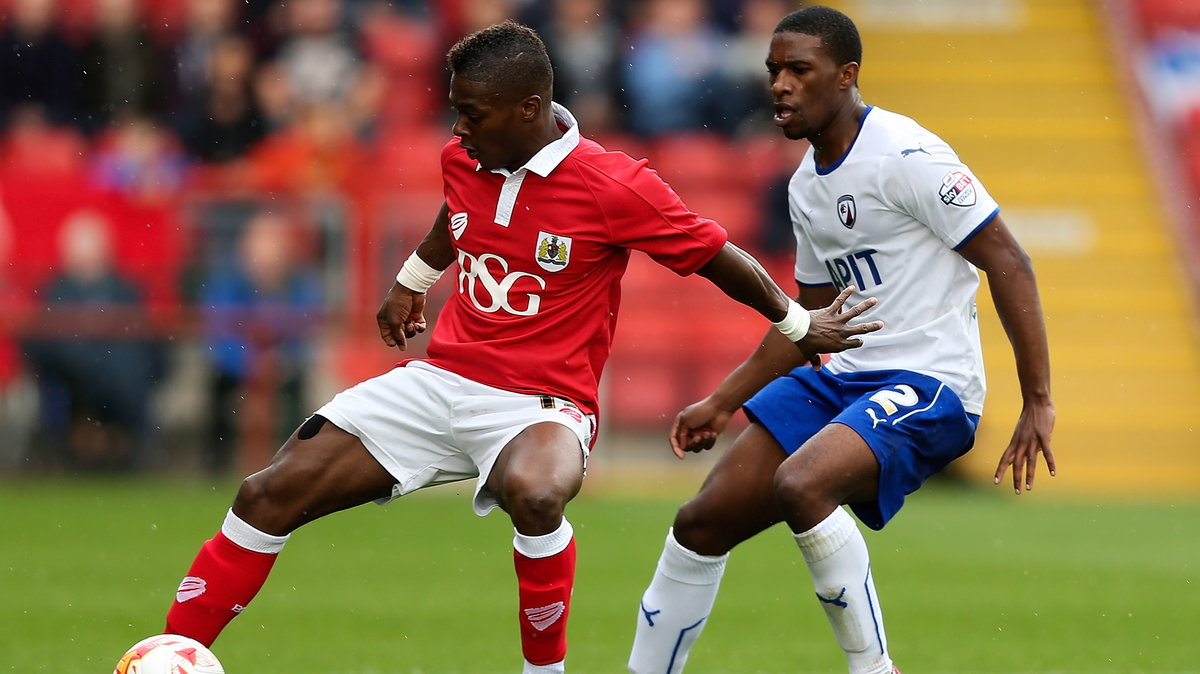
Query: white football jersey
x=887, y=218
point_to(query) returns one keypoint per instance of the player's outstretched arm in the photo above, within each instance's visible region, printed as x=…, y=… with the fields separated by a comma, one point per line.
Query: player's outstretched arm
x=402, y=314
x=826, y=330
x=829, y=328
x=1013, y=285
x=696, y=428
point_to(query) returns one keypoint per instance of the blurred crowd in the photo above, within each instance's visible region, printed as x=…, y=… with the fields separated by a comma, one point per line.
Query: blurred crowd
x=236, y=178
x=213, y=80
x=1169, y=72
x=239, y=173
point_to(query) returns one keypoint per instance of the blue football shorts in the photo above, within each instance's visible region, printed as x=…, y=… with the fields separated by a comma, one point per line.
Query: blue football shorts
x=913, y=423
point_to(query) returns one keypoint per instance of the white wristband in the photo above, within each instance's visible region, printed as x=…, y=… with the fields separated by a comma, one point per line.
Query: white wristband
x=794, y=325
x=416, y=275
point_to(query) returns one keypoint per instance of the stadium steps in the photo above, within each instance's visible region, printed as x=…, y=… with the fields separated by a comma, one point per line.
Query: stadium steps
x=1035, y=105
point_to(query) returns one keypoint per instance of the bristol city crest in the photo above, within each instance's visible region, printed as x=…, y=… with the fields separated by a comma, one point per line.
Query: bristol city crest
x=553, y=251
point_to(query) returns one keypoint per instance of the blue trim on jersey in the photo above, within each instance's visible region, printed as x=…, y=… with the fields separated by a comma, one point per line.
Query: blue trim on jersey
x=803, y=285
x=834, y=165
x=975, y=231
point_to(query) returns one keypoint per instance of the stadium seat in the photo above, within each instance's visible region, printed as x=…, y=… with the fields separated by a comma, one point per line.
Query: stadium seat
x=736, y=208
x=162, y=14
x=695, y=161
x=403, y=49
x=639, y=393
x=677, y=338
x=621, y=142
x=36, y=149
x=147, y=241
x=409, y=158
x=39, y=203
x=763, y=157
x=1158, y=16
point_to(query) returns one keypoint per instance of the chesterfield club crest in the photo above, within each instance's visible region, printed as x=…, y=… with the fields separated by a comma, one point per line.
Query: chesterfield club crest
x=847, y=211
x=553, y=251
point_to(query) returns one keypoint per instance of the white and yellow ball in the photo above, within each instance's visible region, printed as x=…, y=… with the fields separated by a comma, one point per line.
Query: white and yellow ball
x=168, y=654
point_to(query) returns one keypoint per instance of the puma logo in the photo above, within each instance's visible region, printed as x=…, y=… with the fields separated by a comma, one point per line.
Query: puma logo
x=836, y=601
x=649, y=614
x=905, y=153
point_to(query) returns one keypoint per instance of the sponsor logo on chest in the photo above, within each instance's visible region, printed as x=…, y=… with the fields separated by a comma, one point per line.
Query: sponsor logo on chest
x=490, y=281
x=489, y=284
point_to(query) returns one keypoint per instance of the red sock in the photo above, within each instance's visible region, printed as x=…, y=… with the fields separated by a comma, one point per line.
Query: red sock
x=545, y=596
x=221, y=582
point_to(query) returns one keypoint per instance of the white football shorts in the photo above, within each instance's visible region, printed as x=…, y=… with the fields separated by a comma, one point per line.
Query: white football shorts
x=427, y=426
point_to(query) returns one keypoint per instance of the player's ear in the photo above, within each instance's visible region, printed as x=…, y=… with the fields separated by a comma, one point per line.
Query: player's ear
x=531, y=108
x=848, y=75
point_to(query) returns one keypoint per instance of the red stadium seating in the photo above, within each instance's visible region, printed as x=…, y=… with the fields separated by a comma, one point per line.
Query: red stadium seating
x=404, y=49
x=1161, y=15
x=409, y=158
x=35, y=149
x=677, y=338
x=147, y=238
x=696, y=161
x=737, y=210
x=1191, y=146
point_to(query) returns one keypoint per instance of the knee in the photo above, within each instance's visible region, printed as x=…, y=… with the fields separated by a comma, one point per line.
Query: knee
x=254, y=491
x=533, y=503
x=258, y=503
x=796, y=492
x=253, y=495
x=689, y=521
x=694, y=530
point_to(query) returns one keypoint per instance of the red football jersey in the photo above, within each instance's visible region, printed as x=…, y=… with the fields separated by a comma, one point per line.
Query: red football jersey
x=538, y=277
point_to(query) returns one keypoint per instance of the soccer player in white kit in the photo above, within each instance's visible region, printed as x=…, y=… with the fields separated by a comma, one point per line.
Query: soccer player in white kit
x=882, y=205
x=539, y=223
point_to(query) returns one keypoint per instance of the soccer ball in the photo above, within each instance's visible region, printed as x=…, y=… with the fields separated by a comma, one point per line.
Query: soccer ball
x=169, y=654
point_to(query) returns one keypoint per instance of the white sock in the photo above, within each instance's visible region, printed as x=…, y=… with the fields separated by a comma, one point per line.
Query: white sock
x=237, y=530
x=555, y=668
x=548, y=545
x=841, y=571
x=674, y=608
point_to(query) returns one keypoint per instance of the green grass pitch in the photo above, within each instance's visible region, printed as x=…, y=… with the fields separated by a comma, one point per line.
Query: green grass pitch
x=970, y=580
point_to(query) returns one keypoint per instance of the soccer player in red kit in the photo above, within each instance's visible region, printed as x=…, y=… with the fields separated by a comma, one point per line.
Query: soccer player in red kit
x=539, y=223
